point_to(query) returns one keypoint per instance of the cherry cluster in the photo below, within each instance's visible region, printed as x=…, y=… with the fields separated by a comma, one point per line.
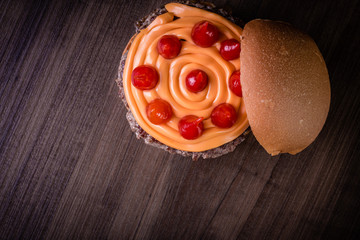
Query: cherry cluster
x=145, y=77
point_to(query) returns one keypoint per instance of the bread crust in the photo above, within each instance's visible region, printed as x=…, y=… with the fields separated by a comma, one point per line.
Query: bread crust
x=139, y=132
x=285, y=85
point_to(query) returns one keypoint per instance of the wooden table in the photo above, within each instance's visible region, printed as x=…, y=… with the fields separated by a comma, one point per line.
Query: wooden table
x=70, y=168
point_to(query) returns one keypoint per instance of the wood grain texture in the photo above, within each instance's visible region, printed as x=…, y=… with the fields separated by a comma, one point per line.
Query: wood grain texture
x=70, y=168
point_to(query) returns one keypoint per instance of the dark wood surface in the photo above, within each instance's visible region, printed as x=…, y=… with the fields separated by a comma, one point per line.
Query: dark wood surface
x=70, y=168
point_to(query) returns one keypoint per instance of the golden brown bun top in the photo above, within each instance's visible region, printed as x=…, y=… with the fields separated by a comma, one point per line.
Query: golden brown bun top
x=285, y=85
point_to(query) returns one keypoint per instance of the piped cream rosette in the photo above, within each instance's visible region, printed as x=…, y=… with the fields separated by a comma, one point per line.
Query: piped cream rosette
x=172, y=73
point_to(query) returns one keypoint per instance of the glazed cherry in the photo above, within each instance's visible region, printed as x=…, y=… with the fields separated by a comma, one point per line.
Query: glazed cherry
x=234, y=83
x=223, y=115
x=205, y=34
x=196, y=81
x=159, y=111
x=191, y=127
x=144, y=77
x=169, y=46
x=230, y=49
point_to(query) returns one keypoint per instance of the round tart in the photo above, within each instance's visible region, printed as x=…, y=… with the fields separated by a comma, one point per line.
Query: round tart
x=178, y=20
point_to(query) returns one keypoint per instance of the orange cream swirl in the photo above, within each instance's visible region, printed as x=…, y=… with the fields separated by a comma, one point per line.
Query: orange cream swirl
x=171, y=86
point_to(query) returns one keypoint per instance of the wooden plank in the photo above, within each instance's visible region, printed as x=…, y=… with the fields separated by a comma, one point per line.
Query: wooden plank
x=71, y=168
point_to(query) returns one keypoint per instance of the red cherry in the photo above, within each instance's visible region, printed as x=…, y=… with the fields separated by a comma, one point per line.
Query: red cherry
x=205, y=34
x=230, y=49
x=191, y=127
x=196, y=80
x=158, y=111
x=234, y=83
x=223, y=115
x=144, y=77
x=169, y=46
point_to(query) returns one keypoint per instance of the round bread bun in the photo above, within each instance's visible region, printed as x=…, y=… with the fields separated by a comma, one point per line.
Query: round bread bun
x=285, y=85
